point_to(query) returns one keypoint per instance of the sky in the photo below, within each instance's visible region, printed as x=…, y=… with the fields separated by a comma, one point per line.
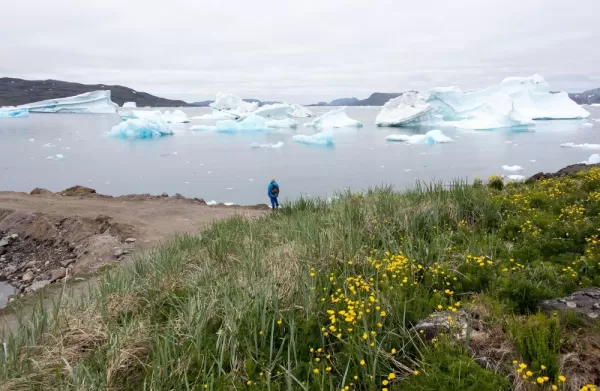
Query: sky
x=304, y=51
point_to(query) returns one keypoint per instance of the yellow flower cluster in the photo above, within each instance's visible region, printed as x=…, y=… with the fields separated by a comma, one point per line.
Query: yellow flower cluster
x=482, y=261
x=572, y=213
x=529, y=227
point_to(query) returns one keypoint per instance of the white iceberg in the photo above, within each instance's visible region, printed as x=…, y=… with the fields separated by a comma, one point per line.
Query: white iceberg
x=175, y=117
x=233, y=104
x=594, y=159
x=299, y=111
x=141, y=128
x=49, y=145
x=216, y=114
x=211, y=203
x=334, y=119
x=282, y=123
x=408, y=108
x=434, y=136
x=321, y=138
x=140, y=114
x=10, y=112
x=512, y=168
x=516, y=178
x=130, y=105
x=277, y=145
x=58, y=156
x=97, y=102
x=203, y=128
x=587, y=125
x=583, y=146
x=251, y=123
x=275, y=111
x=513, y=102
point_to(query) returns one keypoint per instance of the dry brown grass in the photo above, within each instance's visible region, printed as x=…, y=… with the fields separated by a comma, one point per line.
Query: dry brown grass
x=284, y=265
x=581, y=365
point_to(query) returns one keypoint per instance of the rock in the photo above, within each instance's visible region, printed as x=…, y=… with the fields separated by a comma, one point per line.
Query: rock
x=37, y=285
x=444, y=322
x=67, y=262
x=130, y=240
x=14, y=236
x=200, y=201
x=39, y=190
x=569, y=170
x=57, y=274
x=2, y=250
x=77, y=191
x=164, y=195
x=178, y=196
x=30, y=264
x=46, y=263
x=27, y=276
x=584, y=301
x=118, y=253
x=5, y=241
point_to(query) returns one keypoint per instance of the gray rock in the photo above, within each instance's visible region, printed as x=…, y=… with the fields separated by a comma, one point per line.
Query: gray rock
x=5, y=241
x=67, y=262
x=164, y=195
x=118, y=253
x=30, y=264
x=130, y=240
x=456, y=323
x=571, y=304
x=14, y=236
x=27, y=276
x=57, y=274
x=584, y=301
x=178, y=196
x=37, y=285
x=2, y=250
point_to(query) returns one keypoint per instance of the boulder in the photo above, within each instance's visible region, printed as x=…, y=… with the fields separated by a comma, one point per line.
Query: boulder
x=39, y=190
x=77, y=191
x=27, y=277
x=583, y=301
x=57, y=274
x=130, y=240
x=444, y=322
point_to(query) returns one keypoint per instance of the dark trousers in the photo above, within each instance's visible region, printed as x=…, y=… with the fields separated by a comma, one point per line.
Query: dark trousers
x=274, y=203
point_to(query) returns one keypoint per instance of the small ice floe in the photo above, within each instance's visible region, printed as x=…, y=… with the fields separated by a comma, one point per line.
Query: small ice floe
x=49, y=145
x=512, y=168
x=58, y=156
x=516, y=178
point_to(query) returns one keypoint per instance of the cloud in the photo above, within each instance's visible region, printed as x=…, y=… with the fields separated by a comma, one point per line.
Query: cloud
x=300, y=51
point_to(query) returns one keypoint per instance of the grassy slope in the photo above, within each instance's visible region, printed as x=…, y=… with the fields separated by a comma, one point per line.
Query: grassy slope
x=323, y=296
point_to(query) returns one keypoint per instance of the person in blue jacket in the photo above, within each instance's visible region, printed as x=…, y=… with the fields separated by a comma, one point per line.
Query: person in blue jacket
x=273, y=193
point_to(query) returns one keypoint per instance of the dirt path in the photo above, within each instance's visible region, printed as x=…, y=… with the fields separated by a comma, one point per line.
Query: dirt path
x=58, y=235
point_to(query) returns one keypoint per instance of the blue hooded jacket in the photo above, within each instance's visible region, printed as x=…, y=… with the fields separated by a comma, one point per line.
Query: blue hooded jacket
x=270, y=189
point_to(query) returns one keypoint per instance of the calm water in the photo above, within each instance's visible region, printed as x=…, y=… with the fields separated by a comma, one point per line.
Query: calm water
x=223, y=167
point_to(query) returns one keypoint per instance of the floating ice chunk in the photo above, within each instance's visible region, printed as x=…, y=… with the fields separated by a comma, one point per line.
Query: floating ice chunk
x=140, y=114
x=282, y=123
x=587, y=125
x=203, y=128
x=334, y=119
x=169, y=154
x=90, y=102
x=584, y=146
x=228, y=203
x=211, y=203
x=49, y=145
x=31, y=140
x=594, y=159
x=175, y=117
x=432, y=137
x=275, y=111
x=216, y=114
x=322, y=138
x=130, y=105
x=533, y=160
x=13, y=113
x=595, y=119
x=277, y=145
x=408, y=108
x=512, y=168
x=300, y=111
x=516, y=178
x=233, y=104
x=251, y=123
x=141, y=128
x=58, y=156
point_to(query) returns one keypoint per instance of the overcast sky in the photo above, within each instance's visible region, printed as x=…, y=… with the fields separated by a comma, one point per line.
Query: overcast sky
x=300, y=51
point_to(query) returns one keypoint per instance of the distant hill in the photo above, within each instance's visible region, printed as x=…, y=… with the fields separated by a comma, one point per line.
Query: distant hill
x=587, y=97
x=14, y=92
x=376, y=99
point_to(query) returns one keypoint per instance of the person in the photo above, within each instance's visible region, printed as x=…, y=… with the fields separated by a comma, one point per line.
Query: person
x=273, y=193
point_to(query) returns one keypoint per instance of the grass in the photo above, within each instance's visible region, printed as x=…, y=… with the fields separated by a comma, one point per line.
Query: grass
x=325, y=296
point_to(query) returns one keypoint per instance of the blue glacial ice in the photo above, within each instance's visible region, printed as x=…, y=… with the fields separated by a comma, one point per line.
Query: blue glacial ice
x=321, y=138
x=334, y=119
x=97, y=102
x=251, y=123
x=516, y=101
x=10, y=112
x=141, y=128
x=432, y=137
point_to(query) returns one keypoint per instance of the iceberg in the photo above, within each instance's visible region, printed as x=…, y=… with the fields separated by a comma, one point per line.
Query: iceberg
x=594, y=159
x=140, y=114
x=516, y=178
x=583, y=146
x=334, y=119
x=299, y=111
x=277, y=145
x=587, y=125
x=203, y=128
x=141, y=128
x=10, y=112
x=252, y=123
x=321, y=138
x=512, y=168
x=96, y=102
x=130, y=105
x=216, y=114
x=58, y=156
x=516, y=101
x=434, y=136
x=233, y=104
x=175, y=117
x=275, y=111
x=282, y=123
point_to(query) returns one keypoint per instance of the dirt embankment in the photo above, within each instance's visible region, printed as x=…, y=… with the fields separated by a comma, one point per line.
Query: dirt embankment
x=45, y=237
